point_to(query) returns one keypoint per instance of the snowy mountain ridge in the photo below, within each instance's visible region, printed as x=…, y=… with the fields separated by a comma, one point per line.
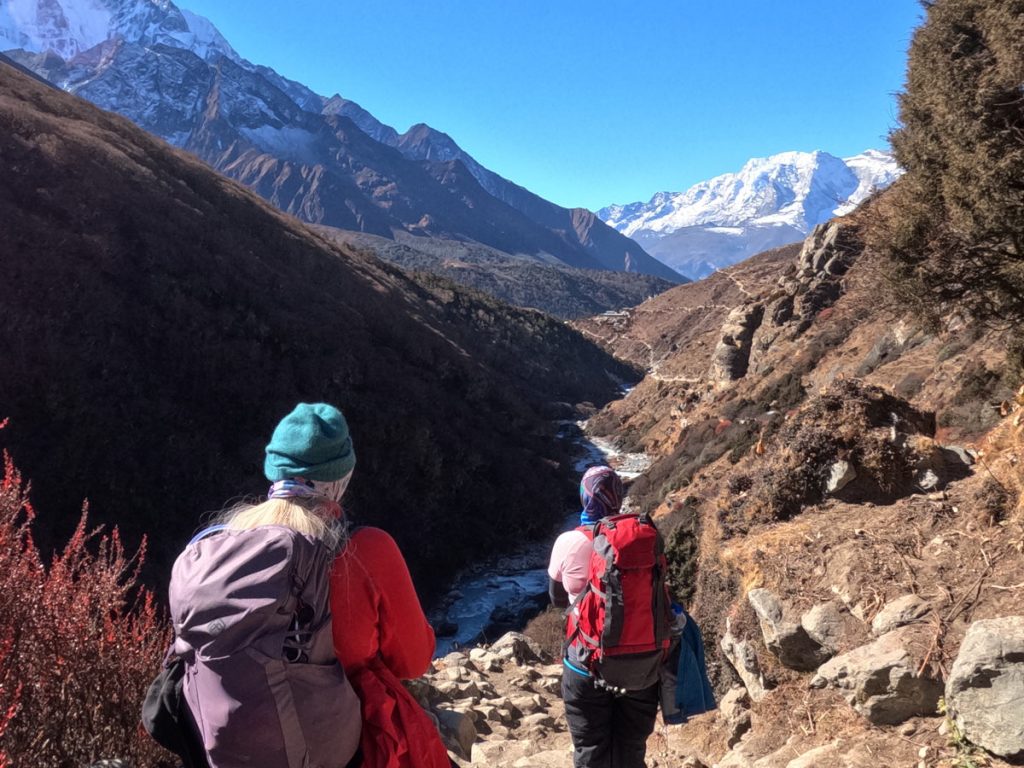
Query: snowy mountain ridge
x=799, y=189
x=325, y=160
x=770, y=202
x=70, y=27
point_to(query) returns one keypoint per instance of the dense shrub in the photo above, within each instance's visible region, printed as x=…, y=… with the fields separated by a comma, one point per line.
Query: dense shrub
x=953, y=227
x=79, y=643
x=681, y=550
x=548, y=631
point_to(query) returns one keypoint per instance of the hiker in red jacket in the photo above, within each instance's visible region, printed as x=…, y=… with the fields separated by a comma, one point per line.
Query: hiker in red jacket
x=381, y=635
x=609, y=728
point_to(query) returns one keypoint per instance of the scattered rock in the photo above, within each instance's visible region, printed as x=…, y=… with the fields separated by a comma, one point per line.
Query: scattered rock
x=898, y=613
x=457, y=731
x=539, y=719
x=928, y=480
x=985, y=691
x=787, y=639
x=962, y=454
x=829, y=624
x=734, y=710
x=550, y=758
x=879, y=680
x=741, y=655
x=827, y=754
x=519, y=647
x=841, y=474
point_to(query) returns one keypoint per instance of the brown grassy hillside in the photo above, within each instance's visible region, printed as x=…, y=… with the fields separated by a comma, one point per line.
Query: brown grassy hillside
x=815, y=440
x=156, y=320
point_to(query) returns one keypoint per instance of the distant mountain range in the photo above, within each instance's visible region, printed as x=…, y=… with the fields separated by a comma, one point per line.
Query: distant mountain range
x=325, y=160
x=771, y=202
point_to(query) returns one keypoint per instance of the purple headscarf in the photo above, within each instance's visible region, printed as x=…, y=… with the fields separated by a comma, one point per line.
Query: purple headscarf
x=601, y=494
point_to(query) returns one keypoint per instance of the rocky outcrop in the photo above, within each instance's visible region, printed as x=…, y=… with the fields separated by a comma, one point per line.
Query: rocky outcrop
x=741, y=655
x=985, y=690
x=826, y=256
x=807, y=288
x=880, y=680
x=731, y=357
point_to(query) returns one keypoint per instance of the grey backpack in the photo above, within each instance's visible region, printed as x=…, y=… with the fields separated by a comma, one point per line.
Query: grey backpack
x=253, y=625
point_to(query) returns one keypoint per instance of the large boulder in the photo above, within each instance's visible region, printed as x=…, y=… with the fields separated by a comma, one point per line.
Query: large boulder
x=985, y=690
x=880, y=679
x=784, y=636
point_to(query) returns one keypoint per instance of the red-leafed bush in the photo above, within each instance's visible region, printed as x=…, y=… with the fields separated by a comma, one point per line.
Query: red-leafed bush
x=80, y=641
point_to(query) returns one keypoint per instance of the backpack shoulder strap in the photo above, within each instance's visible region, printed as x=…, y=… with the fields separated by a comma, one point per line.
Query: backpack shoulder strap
x=587, y=530
x=207, y=532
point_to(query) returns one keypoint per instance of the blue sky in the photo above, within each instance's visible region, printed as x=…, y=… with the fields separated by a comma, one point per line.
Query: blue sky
x=590, y=103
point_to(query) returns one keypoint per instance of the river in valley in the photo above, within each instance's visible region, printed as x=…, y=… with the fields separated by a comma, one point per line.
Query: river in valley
x=502, y=594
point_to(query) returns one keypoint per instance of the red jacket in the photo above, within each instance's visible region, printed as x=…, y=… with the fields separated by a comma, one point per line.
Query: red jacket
x=382, y=637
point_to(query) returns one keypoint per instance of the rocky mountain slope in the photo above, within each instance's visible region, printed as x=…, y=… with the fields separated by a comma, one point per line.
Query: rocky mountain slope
x=158, y=319
x=771, y=202
x=840, y=488
x=842, y=492
x=325, y=160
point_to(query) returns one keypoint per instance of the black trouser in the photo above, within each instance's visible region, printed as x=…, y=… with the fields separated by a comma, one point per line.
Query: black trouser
x=608, y=730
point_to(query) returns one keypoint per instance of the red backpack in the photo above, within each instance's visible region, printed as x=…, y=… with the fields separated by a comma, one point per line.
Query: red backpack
x=619, y=626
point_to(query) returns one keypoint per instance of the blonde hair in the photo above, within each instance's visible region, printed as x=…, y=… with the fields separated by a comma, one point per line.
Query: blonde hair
x=305, y=515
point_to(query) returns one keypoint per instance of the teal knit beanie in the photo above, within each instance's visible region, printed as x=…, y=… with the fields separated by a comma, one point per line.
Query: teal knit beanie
x=310, y=442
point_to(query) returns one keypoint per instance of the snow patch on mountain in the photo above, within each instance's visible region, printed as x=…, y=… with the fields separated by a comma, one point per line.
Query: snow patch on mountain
x=66, y=27
x=875, y=170
x=204, y=39
x=287, y=141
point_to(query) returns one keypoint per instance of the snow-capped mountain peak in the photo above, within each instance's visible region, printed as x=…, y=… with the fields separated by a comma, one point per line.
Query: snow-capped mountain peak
x=71, y=27
x=799, y=189
x=771, y=201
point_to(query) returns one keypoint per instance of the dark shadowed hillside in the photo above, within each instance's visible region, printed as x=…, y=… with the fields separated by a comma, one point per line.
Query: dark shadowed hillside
x=156, y=320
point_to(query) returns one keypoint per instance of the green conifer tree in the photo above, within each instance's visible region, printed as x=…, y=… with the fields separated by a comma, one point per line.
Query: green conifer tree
x=953, y=228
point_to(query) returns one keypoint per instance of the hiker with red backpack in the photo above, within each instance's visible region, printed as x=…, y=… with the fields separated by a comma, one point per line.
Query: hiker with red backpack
x=610, y=574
